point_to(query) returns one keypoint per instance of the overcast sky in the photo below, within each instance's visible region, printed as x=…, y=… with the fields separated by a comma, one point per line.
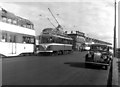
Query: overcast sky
x=94, y=18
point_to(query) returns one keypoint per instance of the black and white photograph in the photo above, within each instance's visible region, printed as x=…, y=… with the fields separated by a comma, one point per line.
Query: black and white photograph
x=59, y=43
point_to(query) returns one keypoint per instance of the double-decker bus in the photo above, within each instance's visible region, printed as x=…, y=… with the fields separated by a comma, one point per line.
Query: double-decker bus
x=53, y=41
x=17, y=35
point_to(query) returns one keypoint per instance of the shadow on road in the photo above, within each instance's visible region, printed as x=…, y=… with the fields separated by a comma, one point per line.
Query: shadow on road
x=82, y=65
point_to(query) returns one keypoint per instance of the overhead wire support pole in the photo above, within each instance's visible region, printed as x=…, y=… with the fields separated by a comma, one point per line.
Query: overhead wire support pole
x=53, y=16
x=115, y=31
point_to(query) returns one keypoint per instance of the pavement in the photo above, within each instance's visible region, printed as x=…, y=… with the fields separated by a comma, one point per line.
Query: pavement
x=115, y=72
x=119, y=72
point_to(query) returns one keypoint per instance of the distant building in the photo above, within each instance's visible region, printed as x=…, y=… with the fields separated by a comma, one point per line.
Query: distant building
x=93, y=40
x=78, y=39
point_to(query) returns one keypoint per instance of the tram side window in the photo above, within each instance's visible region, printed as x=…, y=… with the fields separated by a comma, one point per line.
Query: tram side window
x=24, y=40
x=28, y=26
x=12, y=38
x=24, y=25
x=59, y=40
x=32, y=40
x=52, y=40
x=27, y=39
x=70, y=41
x=9, y=20
x=65, y=41
x=45, y=40
x=4, y=37
x=14, y=22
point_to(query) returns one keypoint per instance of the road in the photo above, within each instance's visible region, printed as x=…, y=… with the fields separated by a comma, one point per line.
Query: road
x=52, y=70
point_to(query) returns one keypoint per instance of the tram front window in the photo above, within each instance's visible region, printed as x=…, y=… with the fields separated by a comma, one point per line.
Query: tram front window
x=47, y=40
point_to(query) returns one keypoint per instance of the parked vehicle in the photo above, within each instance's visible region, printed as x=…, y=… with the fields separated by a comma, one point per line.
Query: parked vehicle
x=99, y=54
x=17, y=35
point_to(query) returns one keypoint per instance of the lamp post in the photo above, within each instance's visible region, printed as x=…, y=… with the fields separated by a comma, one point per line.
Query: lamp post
x=115, y=32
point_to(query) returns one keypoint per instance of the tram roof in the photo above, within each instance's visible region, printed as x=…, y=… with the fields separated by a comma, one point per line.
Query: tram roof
x=55, y=33
x=10, y=15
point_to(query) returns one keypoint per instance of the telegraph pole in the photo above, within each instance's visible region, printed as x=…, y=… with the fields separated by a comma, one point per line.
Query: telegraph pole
x=115, y=32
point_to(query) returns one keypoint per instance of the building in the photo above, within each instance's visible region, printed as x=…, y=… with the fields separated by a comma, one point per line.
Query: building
x=78, y=40
x=93, y=40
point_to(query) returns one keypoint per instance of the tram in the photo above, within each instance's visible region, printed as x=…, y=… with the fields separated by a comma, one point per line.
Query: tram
x=53, y=41
x=17, y=35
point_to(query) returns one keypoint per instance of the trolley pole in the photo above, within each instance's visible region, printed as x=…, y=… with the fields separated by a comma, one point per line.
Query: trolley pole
x=115, y=32
x=53, y=16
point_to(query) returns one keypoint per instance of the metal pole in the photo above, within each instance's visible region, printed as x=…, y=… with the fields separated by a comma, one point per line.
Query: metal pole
x=48, y=20
x=51, y=22
x=53, y=16
x=115, y=32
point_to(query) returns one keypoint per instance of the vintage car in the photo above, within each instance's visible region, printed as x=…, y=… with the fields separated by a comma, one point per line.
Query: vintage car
x=99, y=54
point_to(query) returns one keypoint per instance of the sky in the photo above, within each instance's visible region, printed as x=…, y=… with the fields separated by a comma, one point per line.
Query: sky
x=93, y=17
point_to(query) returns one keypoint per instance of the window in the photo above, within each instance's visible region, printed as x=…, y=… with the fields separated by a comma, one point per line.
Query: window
x=14, y=22
x=4, y=37
x=9, y=20
x=12, y=38
x=4, y=19
x=32, y=39
x=24, y=41
x=24, y=25
x=28, y=39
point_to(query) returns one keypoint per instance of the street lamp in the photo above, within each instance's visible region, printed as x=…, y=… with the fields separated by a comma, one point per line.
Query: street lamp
x=114, y=32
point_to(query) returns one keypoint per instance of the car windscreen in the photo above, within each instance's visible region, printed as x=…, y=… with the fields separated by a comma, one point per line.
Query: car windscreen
x=98, y=48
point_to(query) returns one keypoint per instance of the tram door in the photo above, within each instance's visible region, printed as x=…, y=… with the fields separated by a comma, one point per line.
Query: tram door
x=13, y=44
x=14, y=48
